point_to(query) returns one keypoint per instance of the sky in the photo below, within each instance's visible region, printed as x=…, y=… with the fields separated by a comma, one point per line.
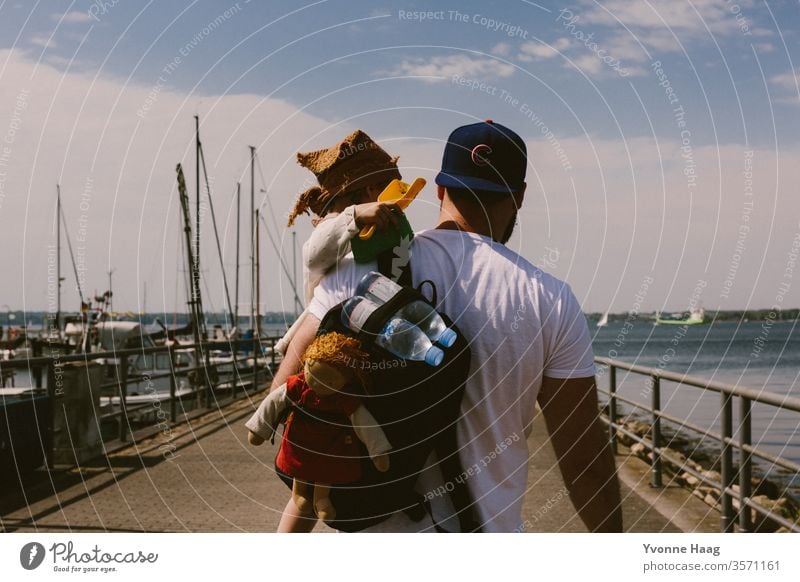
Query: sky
x=662, y=137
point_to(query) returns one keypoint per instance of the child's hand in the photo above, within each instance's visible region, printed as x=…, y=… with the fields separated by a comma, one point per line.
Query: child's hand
x=382, y=214
x=254, y=439
x=381, y=463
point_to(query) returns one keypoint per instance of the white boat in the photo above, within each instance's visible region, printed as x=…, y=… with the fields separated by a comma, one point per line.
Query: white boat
x=692, y=317
x=603, y=320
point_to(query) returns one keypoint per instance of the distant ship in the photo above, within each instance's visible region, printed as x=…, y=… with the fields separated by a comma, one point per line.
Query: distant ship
x=603, y=320
x=693, y=317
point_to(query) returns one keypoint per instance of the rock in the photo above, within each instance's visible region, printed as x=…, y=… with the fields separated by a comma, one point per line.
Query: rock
x=690, y=479
x=711, y=500
x=712, y=475
x=624, y=439
x=783, y=529
x=679, y=457
x=694, y=465
x=699, y=494
x=638, y=449
x=638, y=428
x=709, y=491
x=765, y=488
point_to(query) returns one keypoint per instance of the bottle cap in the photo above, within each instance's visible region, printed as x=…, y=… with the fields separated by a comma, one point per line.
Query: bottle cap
x=448, y=338
x=434, y=356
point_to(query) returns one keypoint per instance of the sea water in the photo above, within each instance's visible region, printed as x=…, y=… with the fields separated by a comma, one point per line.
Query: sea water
x=762, y=355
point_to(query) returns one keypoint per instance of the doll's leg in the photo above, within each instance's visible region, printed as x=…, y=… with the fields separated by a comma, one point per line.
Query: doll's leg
x=302, y=495
x=322, y=502
x=292, y=521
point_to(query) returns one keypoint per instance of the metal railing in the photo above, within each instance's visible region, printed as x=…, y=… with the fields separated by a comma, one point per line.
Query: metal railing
x=204, y=379
x=746, y=451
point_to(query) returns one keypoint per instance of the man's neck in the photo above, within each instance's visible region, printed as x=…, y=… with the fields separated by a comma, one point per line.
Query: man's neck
x=460, y=224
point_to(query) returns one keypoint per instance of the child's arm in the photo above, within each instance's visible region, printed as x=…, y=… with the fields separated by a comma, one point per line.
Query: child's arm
x=371, y=434
x=330, y=240
x=265, y=419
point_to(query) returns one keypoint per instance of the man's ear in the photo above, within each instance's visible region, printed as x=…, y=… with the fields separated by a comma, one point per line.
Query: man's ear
x=440, y=192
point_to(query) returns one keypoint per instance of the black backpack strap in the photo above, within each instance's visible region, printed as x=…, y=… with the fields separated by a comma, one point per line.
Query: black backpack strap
x=455, y=478
x=395, y=263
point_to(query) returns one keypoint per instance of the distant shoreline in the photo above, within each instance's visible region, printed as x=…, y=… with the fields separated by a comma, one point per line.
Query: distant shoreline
x=712, y=316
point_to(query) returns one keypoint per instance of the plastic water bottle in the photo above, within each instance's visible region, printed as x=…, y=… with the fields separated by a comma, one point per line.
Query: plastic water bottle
x=380, y=289
x=398, y=336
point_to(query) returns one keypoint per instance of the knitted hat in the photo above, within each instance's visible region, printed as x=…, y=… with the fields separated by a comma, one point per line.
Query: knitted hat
x=353, y=163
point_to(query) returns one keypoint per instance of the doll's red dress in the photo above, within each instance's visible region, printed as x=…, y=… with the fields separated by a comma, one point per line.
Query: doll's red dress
x=320, y=450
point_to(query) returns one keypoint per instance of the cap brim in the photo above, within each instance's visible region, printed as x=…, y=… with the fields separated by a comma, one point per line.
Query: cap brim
x=473, y=183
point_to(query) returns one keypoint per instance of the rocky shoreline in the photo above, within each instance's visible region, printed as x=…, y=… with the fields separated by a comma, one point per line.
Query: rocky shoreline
x=765, y=492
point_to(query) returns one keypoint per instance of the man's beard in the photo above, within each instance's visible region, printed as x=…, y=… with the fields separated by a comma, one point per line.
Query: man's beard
x=509, y=229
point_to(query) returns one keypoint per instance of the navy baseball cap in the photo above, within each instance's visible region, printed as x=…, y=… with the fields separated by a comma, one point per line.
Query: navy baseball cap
x=484, y=156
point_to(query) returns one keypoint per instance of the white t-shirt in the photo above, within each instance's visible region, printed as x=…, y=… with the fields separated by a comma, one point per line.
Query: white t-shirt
x=522, y=324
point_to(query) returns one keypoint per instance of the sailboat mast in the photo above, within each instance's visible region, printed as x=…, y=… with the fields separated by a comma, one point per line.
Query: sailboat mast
x=58, y=255
x=238, y=213
x=197, y=202
x=258, y=279
x=252, y=236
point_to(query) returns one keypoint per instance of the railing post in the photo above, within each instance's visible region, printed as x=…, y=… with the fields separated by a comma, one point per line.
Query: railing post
x=51, y=392
x=206, y=378
x=123, y=398
x=235, y=376
x=727, y=520
x=37, y=370
x=272, y=351
x=745, y=463
x=612, y=406
x=173, y=386
x=656, y=406
x=255, y=362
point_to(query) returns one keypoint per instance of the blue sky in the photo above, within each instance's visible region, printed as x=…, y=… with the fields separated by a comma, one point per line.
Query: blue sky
x=593, y=87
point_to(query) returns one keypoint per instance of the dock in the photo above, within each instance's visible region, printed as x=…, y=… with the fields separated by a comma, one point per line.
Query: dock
x=211, y=480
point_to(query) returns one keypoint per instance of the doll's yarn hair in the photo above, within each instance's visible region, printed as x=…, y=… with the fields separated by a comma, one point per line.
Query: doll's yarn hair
x=340, y=351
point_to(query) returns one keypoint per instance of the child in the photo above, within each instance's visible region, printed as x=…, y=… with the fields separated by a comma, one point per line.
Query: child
x=351, y=175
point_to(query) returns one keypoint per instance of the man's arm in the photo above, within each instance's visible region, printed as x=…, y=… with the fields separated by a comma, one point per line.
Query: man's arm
x=584, y=454
x=301, y=340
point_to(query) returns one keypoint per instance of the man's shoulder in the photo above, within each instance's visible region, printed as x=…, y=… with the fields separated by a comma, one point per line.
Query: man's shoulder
x=496, y=256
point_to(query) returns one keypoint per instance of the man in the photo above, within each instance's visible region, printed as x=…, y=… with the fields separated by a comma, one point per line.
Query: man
x=528, y=337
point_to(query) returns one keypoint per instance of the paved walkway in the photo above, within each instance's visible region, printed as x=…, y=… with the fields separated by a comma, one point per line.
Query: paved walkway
x=215, y=482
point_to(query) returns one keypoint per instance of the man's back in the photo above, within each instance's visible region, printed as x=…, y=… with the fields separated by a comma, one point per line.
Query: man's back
x=522, y=324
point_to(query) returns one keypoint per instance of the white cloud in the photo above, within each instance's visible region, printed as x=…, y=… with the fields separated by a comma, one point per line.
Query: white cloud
x=75, y=16
x=442, y=68
x=501, y=49
x=764, y=47
x=43, y=40
x=535, y=51
x=681, y=16
x=789, y=80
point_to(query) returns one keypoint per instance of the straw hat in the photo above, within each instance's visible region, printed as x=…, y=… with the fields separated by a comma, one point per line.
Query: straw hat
x=355, y=162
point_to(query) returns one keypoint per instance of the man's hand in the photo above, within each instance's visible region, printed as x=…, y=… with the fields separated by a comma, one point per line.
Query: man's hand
x=382, y=214
x=584, y=454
